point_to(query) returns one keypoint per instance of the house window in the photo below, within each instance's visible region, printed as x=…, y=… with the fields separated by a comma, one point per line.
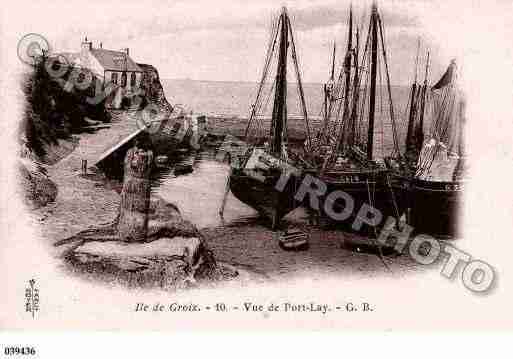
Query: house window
x=123, y=79
x=132, y=79
x=92, y=87
x=114, y=78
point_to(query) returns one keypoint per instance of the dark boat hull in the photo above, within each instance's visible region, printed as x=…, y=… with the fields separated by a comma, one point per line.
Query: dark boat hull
x=436, y=207
x=373, y=188
x=263, y=196
x=401, y=189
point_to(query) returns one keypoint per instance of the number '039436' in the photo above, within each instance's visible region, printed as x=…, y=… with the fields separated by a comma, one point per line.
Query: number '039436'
x=19, y=351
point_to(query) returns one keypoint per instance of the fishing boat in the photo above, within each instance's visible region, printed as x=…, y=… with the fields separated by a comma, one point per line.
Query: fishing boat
x=441, y=171
x=403, y=168
x=350, y=165
x=176, y=132
x=255, y=179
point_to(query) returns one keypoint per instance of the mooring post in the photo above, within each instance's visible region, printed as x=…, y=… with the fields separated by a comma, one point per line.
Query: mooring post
x=225, y=196
x=135, y=196
x=84, y=167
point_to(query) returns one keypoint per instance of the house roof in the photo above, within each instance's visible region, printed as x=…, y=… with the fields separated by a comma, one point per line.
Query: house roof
x=70, y=57
x=115, y=60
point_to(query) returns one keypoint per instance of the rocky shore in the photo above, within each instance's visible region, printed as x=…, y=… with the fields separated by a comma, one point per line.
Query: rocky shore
x=80, y=225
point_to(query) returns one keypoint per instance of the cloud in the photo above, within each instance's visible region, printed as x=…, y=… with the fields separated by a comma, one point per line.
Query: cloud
x=218, y=40
x=329, y=15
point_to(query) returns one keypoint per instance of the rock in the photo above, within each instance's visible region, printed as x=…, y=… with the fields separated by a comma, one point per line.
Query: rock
x=165, y=220
x=161, y=210
x=174, y=254
x=166, y=262
x=185, y=249
x=154, y=92
x=39, y=189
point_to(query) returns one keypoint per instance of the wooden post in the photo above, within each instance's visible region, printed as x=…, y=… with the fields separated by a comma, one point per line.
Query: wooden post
x=84, y=167
x=135, y=196
x=226, y=192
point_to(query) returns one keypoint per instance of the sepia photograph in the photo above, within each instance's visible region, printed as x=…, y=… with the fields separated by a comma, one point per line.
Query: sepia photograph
x=235, y=165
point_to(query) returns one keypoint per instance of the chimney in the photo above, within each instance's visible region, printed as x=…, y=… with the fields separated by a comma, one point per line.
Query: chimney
x=86, y=45
x=85, y=52
x=101, y=45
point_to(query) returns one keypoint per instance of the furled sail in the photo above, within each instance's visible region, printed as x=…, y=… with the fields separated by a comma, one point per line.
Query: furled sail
x=443, y=149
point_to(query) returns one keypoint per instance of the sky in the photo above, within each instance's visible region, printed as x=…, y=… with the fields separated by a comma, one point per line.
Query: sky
x=226, y=40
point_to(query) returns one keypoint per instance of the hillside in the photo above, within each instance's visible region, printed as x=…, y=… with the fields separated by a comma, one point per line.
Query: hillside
x=54, y=114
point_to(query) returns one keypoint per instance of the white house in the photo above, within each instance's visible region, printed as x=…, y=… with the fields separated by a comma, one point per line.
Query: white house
x=116, y=67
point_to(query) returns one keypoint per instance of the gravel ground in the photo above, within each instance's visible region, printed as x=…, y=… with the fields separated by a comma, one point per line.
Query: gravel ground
x=255, y=247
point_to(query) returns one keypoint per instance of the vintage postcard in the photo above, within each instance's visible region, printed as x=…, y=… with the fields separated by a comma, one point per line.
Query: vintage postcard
x=230, y=165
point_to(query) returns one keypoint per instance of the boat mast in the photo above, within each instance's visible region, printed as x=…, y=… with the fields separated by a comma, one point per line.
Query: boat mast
x=347, y=73
x=413, y=109
x=332, y=77
x=372, y=99
x=328, y=92
x=419, y=130
x=279, y=117
x=356, y=93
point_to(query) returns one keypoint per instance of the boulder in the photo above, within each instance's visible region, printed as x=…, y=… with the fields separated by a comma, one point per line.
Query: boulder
x=154, y=92
x=174, y=254
x=39, y=189
x=165, y=262
x=128, y=255
x=165, y=220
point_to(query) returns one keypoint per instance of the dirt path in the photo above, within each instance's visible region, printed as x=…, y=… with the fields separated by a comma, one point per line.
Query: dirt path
x=83, y=202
